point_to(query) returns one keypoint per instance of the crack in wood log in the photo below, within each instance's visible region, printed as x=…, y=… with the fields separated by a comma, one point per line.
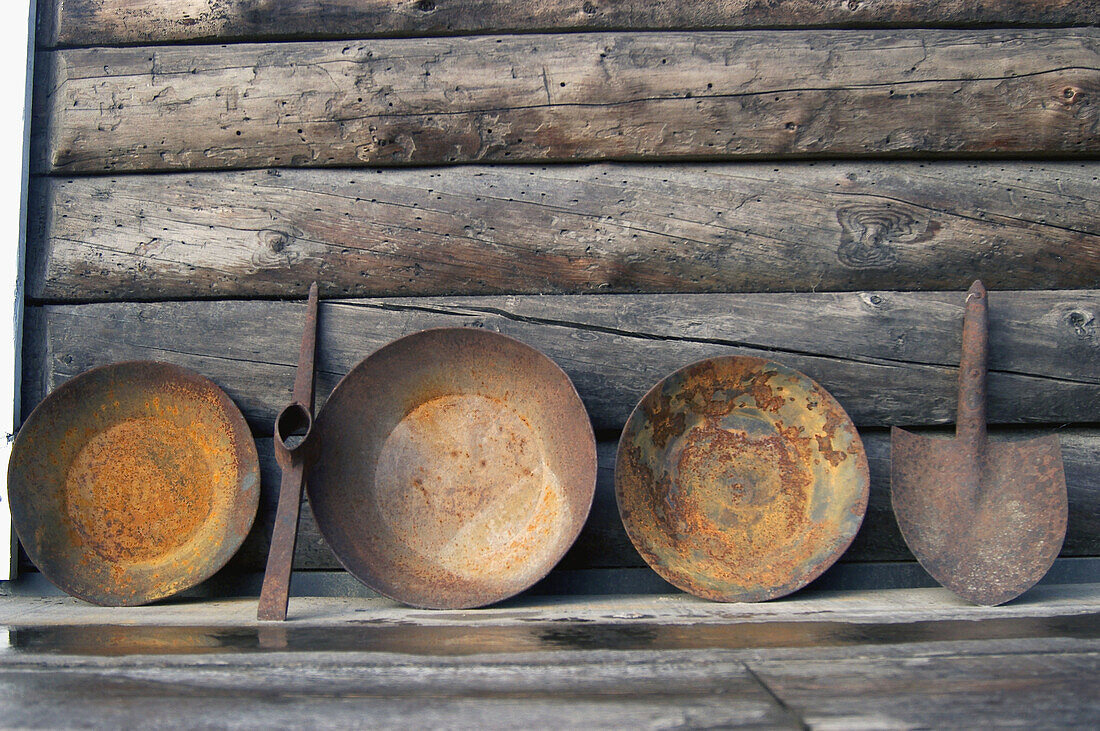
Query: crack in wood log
x=768, y=351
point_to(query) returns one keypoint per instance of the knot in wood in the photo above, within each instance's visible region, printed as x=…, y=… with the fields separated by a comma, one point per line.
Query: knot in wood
x=275, y=249
x=872, y=300
x=1083, y=323
x=870, y=233
x=276, y=240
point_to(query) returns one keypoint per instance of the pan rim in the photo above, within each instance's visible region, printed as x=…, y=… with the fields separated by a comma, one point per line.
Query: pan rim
x=773, y=592
x=588, y=486
x=245, y=498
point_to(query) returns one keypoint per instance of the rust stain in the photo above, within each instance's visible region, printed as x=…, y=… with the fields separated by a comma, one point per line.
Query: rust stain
x=468, y=455
x=985, y=519
x=665, y=422
x=740, y=502
x=763, y=394
x=131, y=490
x=133, y=481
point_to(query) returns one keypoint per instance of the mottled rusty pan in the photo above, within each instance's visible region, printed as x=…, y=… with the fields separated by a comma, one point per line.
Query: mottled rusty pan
x=739, y=479
x=455, y=467
x=132, y=482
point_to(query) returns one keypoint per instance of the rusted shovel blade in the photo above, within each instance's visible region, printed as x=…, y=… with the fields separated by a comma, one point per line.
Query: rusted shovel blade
x=988, y=549
x=986, y=519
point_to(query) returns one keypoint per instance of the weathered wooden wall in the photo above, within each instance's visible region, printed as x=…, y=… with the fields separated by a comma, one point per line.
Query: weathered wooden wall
x=652, y=166
x=103, y=22
x=568, y=228
x=569, y=97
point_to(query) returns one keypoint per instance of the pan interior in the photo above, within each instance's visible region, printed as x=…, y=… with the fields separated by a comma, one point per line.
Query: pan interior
x=483, y=494
x=739, y=479
x=142, y=485
x=456, y=468
x=133, y=482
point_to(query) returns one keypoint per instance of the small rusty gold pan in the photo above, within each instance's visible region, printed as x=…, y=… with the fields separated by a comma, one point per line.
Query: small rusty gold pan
x=132, y=482
x=454, y=468
x=739, y=479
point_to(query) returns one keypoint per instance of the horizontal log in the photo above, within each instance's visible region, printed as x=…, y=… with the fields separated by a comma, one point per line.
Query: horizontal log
x=112, y=22
x=888, y=357
x=587, y=228
x=603, y=542
x=569, y=97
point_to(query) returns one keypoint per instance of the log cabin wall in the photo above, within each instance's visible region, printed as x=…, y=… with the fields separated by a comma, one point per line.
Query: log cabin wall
x=628, y=185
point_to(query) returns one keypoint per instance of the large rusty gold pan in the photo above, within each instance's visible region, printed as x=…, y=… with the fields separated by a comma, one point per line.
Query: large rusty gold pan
x=454, y=468
x=739, y=479
x=132, y=482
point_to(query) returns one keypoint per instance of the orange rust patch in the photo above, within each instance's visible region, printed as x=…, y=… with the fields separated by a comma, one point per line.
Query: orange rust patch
x=834, y=419
x=824, y=446
x=134, y=494
x=463, y=480
x=701, y=386
x=741, y=504
x=739, y=496
x=666, y=422
x=763, y=395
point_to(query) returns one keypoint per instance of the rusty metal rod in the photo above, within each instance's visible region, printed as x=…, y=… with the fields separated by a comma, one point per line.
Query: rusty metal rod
x=295, y=420
x=970, y=428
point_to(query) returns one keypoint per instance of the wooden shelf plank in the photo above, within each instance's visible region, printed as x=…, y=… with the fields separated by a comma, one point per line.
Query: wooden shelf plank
x=888, y=357
x=578, y=228
x=569, y=97
x=1033, y=689
x=421, y=692
x=110, y=22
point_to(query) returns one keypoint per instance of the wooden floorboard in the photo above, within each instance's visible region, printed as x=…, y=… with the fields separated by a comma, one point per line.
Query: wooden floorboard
x=588, y=694
x=108, y=22
x=568, y=97
x=907, y=611
x=579, y=228
x=1021, y=690
x=884, y=659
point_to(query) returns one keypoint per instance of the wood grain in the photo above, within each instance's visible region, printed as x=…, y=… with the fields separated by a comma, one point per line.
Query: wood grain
x=604, y=544
x=1035, y=690
x=603, y=663
x=297, y=690
x=580, y=228
x=114, y=22
x=889, y=358
x=569, y=97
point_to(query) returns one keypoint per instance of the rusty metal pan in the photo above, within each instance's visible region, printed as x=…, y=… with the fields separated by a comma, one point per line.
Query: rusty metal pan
x=454, y=468
x=739, y=479
x=132, y=482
